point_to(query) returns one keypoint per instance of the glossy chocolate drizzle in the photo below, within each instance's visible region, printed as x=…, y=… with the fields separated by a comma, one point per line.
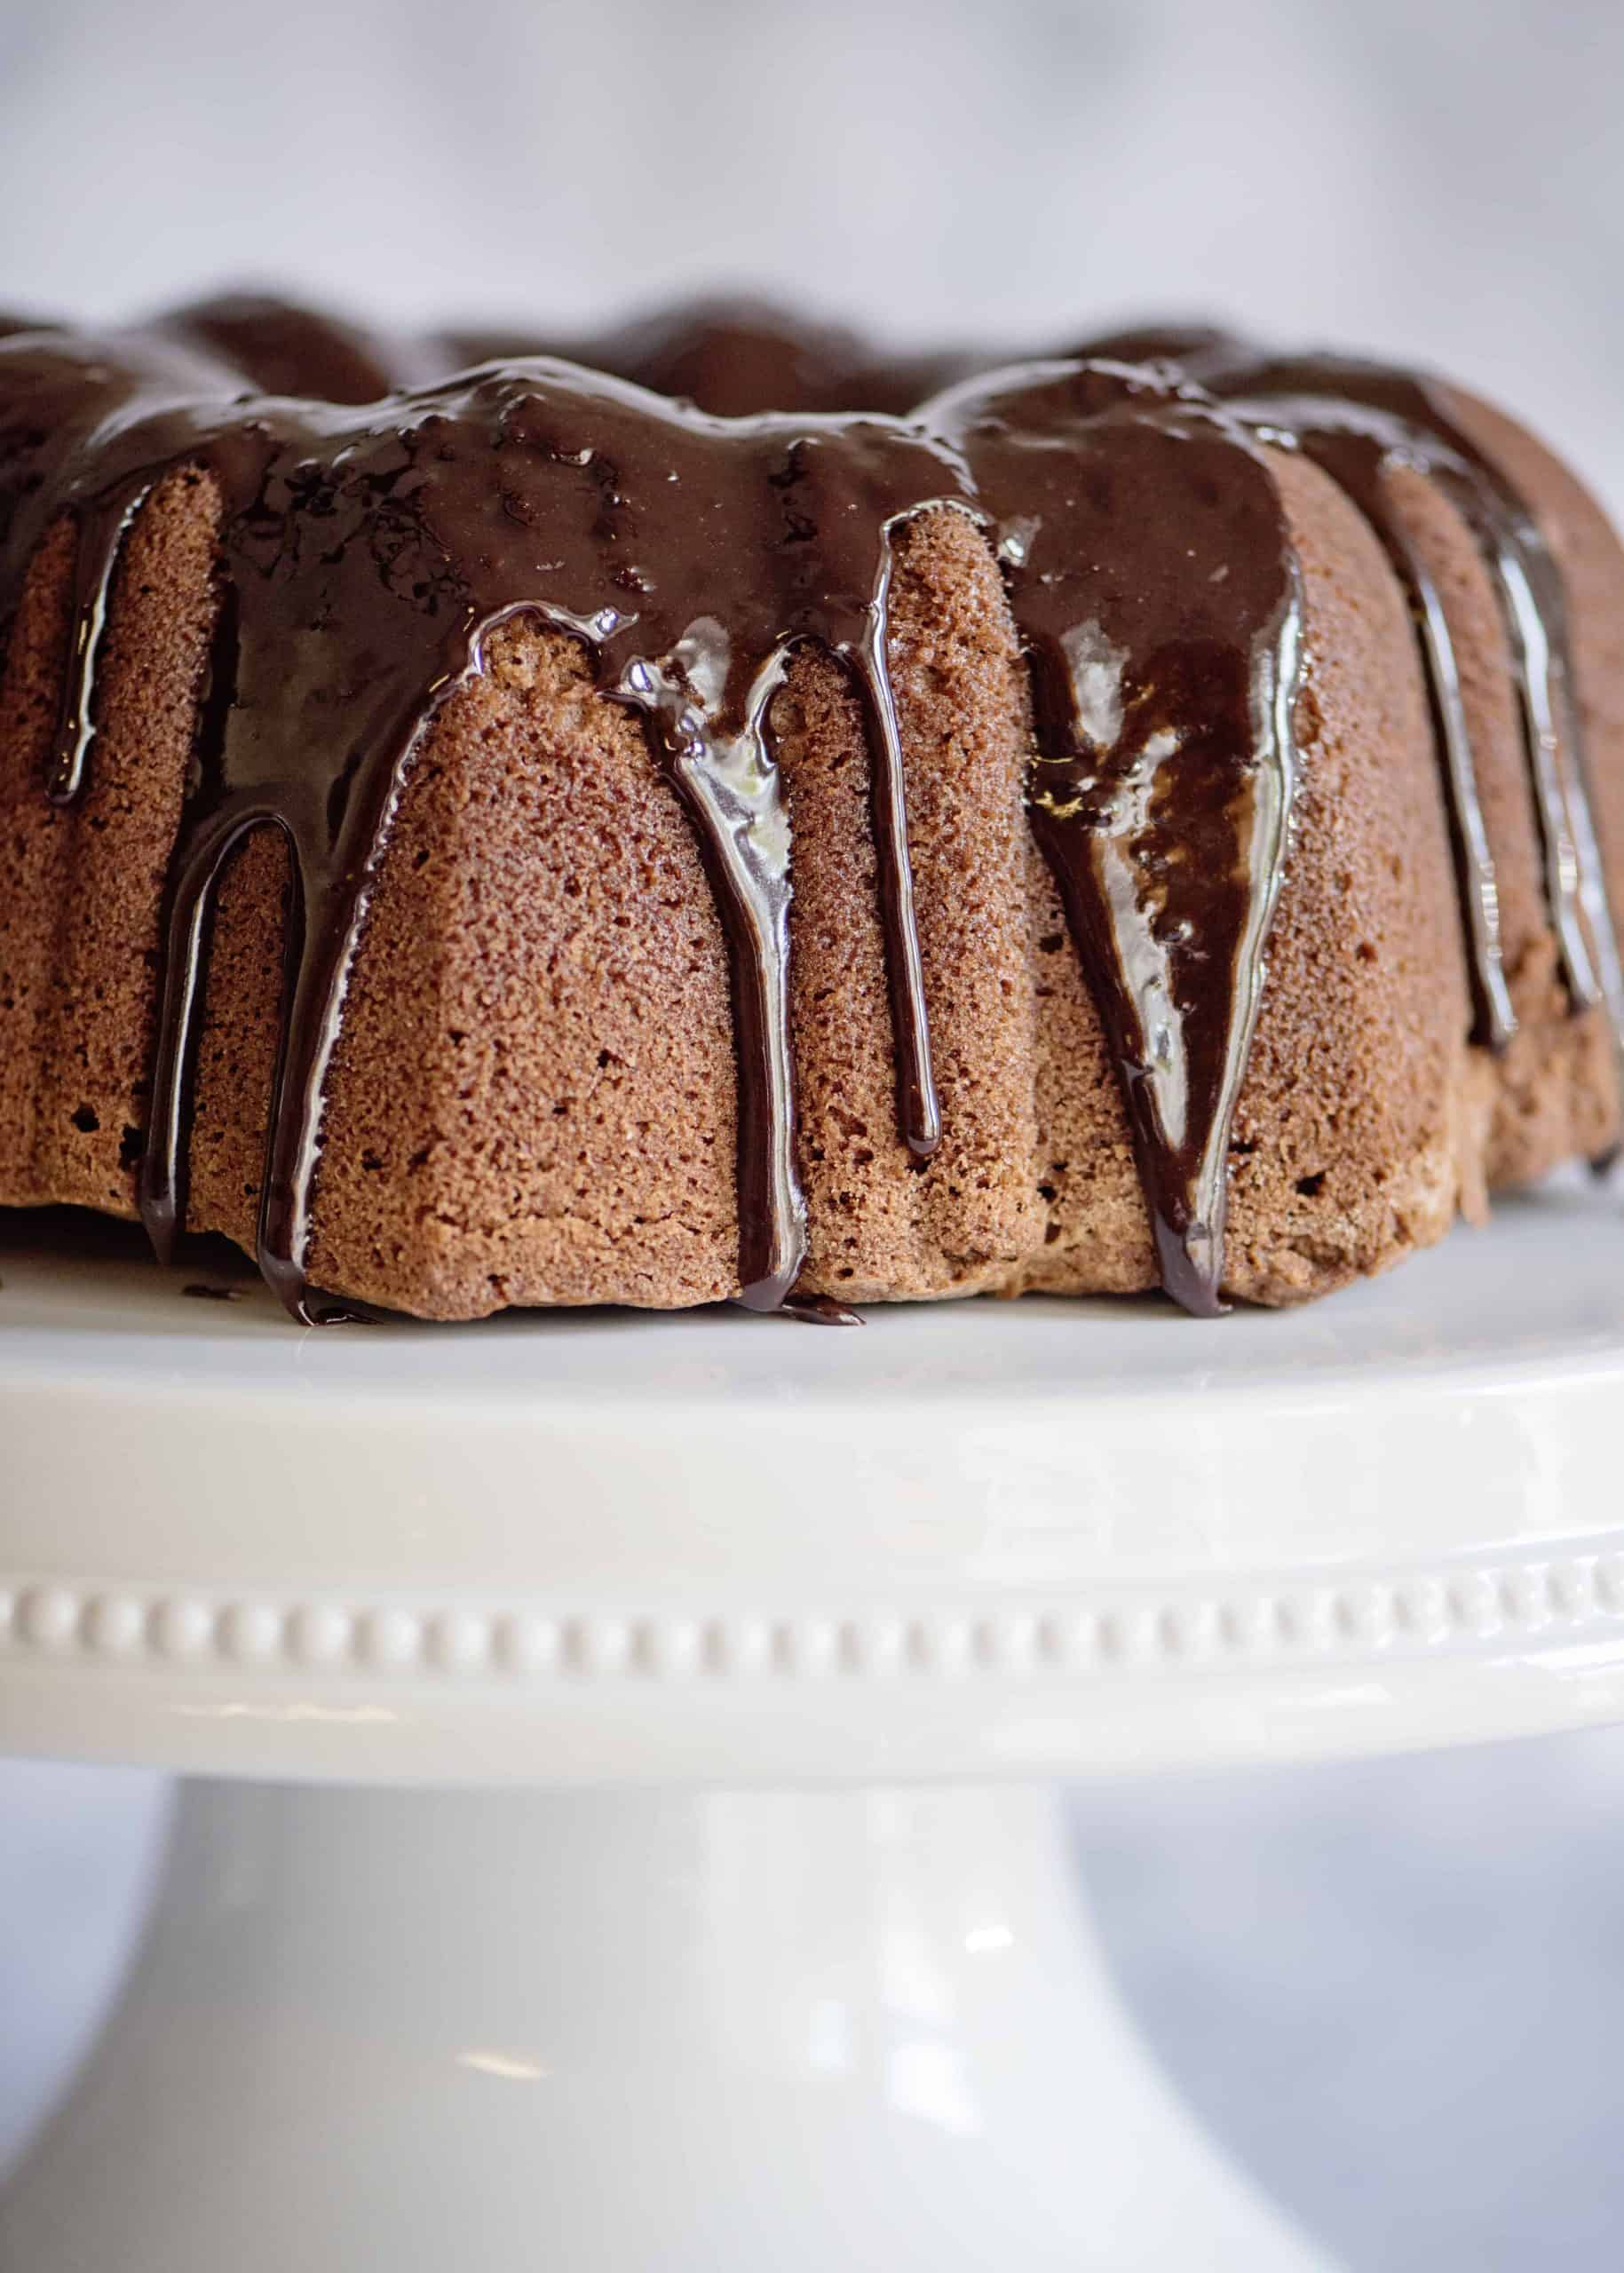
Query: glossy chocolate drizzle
x=372, y=538
x=1360, y=420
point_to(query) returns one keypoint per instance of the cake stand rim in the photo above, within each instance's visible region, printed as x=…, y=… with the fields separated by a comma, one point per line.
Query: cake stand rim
x=298, y=1567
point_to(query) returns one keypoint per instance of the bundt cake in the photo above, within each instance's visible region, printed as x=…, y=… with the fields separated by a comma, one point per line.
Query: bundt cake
x=709, y=814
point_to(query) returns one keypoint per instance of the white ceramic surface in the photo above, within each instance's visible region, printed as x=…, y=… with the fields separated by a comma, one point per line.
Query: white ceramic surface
x=675, y=2028
x=625, y=2033
x=1036, y=1538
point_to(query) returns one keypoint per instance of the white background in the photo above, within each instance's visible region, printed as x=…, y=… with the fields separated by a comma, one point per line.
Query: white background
x=1443, y=180
x=1398, y=1990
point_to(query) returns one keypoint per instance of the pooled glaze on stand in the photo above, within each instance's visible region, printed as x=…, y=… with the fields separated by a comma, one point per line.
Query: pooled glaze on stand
x=692, y=555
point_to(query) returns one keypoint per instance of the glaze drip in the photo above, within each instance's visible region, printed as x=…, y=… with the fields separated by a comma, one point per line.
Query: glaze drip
x=372, y=540
x=1356, y=447
x=1360, y=419
x=1155, y=590
x=676, y=551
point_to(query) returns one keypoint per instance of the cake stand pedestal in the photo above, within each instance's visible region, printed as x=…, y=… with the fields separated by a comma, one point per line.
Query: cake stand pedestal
x=619, y=1832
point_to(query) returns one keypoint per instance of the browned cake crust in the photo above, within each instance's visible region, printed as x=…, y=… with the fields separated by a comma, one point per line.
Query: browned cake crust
x=533, y=1099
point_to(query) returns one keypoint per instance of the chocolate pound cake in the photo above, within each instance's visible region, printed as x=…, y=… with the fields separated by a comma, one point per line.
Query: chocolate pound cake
x=488, y=832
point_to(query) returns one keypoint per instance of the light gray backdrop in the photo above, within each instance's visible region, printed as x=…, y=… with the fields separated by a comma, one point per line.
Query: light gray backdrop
x=1398, y=1990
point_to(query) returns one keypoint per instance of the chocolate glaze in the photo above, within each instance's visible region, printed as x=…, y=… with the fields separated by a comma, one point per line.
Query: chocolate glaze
x=368, y=553
x=1390, y=417
x=736, y=357
x=1156, y=593
x=1359, y=420
x=732, y=357
x=1356, y=446
x=674, y=549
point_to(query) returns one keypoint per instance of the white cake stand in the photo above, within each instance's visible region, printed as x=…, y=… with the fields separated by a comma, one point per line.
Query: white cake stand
x=657, y=1871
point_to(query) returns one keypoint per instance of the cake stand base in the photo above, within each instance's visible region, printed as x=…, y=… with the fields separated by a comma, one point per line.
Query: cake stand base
x=720, y=1957
x=625, y=2032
